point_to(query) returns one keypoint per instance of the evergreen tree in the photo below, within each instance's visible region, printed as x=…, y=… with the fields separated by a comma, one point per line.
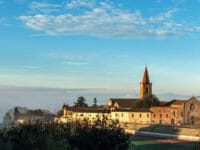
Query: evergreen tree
x=95, y=102
x=81, y=102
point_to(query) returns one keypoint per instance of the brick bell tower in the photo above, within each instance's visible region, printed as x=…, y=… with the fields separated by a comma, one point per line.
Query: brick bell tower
x=145, y=85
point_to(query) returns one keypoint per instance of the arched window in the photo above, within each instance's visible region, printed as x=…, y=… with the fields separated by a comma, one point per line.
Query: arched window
x=147, y=90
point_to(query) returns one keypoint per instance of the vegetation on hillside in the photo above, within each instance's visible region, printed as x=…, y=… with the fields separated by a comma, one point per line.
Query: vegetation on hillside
x=64, y=137
x=146, y=102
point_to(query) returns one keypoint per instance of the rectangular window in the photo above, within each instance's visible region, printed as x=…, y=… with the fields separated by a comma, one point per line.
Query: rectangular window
x=174, y=114
x=154, y=115
x=147, y=115
x=140, y=115
x=160, y=115
x=166, y=115
x=132, y=115
x=181, y=114
x=160, y=121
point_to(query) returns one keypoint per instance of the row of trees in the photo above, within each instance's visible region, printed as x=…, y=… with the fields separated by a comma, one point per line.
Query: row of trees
x=81, y=101
x=64, y=137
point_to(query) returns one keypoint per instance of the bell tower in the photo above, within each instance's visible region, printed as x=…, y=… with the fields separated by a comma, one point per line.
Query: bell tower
x=145, y=85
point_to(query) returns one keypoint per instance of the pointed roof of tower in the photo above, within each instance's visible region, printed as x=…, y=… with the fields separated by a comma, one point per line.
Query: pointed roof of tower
x=146, y=76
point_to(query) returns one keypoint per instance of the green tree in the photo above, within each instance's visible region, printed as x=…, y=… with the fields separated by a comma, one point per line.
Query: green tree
x=147, y=102
x=95, y=102
x=81, y=102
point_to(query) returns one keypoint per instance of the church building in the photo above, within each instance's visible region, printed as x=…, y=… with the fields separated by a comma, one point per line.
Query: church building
x=174, y=112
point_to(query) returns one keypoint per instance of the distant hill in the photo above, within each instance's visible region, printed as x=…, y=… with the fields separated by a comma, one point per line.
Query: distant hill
x=22, y=113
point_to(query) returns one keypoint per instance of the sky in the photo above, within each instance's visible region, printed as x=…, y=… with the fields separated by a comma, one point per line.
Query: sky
x=100, y=45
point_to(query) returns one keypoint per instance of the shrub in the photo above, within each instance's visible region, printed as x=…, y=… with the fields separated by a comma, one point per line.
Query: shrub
x=63, y=137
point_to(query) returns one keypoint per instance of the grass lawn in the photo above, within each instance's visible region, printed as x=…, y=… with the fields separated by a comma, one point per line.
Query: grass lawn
x=151, y=145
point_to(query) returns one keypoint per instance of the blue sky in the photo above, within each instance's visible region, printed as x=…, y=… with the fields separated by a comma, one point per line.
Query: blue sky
x=100, y=44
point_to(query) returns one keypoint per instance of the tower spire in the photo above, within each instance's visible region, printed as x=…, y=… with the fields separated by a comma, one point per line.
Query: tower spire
x=145, y=85
x=145, y=76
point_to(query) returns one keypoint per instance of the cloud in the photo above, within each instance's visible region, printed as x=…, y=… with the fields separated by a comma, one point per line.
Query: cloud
x=81, y=3
x=75, y=63
x=104, y=20
x=3, y=21
x=31, y=67
x=54, y=55
x=120, y=55
x=44, y=7
x=162, y=16
x=198, y=28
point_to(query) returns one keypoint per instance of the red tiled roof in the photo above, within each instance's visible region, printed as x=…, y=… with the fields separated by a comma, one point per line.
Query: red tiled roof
x=125, y=103
x=163, y=103
x=100, y=109
x=176, y=102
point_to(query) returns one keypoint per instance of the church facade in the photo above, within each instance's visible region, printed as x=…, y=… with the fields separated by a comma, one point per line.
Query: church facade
x=175, y=112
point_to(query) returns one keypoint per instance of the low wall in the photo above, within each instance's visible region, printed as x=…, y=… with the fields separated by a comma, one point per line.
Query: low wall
x=163, y=135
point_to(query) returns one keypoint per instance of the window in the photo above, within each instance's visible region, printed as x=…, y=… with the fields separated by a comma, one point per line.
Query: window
x=122, y=115
x=192, y=107
x=132, y=115
x=174, y=114
x=160, y=121
x=147, y=90
x=154, y=115
x=116, y=115
x=147, y=115
x=160, y=115
x=166, y=115
x=181, y=114
x=140, y=115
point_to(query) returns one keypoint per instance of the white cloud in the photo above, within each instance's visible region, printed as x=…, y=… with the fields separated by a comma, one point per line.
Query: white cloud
x=162, y=16
x=75, y=63
x=81, y=3
x=103, y=20
x=3, y=21
x=198, y=28
x=44, y=7
x=31, y=67
x=120, y=55
x=54, y=55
